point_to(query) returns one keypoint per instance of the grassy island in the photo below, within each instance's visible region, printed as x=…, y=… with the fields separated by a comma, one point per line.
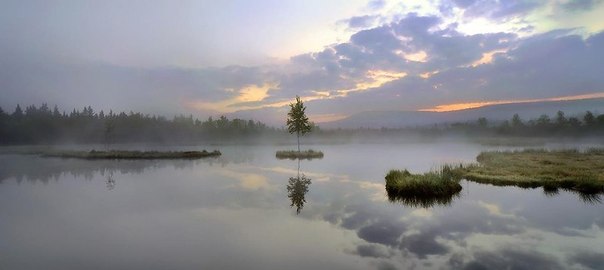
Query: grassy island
x=573, y=170
x=434, y=187
x=308, y=154
x=114, y=154
x=581, y=171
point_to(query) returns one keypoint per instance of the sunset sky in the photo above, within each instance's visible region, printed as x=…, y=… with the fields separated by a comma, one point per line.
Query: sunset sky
x=251, y=58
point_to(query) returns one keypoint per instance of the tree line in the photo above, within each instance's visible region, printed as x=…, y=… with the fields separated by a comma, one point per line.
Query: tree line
x=544, y=126
x=42, y=125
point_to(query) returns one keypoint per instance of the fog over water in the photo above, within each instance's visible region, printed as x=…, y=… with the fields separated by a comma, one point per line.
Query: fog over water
x=233, y=212
x=370, y=86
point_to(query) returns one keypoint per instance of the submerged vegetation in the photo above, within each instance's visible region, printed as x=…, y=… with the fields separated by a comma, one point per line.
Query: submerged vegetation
x=434, y=187
x=132, y=154
x=292, y=154
x=581, y=171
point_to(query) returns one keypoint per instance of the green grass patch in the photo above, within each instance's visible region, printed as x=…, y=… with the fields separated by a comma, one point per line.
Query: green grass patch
x=292, y=154
x=425, y=190
x=511, y=141
x=114, y=154
x=581, y=171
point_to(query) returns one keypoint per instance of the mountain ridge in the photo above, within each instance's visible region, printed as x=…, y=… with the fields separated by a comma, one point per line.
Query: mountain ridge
x=498, y=112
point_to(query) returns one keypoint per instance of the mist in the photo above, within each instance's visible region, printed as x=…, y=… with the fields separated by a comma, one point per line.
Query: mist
x=270, y=134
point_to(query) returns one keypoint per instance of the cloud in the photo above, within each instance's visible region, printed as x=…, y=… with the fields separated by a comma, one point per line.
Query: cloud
x=150, y=90
x=373, y=251
x=423, y=245
x=512, y=258
x=588, y=259
x=415, y=61
x=384, y=232
x=376, y=4
x=579, y=5
x=464, y=3
x=361, y=21
x=499, y=10
x=544, y=66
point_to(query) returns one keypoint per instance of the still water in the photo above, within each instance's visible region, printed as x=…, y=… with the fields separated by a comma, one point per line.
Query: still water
x=249, y=210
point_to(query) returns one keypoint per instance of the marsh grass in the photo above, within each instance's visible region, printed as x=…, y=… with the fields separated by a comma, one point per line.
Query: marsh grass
x=434, y=187
x=570, y=169
x=293, y=154
x=511, y=141
x=115, y=154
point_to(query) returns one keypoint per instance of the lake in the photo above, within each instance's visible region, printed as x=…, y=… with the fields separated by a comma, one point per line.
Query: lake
x=237, y=212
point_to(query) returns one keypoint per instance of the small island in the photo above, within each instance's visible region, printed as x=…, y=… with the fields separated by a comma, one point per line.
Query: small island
x=118, y=154
x=298, y=123
x=292, y=154
x=425, y=190
x=573, y=170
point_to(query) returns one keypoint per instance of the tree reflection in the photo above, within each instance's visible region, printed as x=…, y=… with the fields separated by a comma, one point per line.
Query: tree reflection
x=297, y=188
x=110, y=182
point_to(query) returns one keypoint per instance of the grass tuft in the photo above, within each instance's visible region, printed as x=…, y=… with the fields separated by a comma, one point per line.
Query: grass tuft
x=434, y=187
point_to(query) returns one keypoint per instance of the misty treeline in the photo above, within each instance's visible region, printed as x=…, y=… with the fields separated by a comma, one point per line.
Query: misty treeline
x=544, y=126
x=42, y=125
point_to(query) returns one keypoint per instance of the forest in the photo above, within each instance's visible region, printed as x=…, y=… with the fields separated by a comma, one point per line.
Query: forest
x=42, y=125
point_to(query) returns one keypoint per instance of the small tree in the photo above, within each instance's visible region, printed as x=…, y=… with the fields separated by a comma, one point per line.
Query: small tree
x=297, y=122
x=516, y=121
x=482, y=122
x=589, y=119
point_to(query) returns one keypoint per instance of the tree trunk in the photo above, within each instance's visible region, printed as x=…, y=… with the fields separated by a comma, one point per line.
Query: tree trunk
x=298, y=169
x=298, y=135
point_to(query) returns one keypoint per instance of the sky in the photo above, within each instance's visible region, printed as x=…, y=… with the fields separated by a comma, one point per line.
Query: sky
x=250, y=59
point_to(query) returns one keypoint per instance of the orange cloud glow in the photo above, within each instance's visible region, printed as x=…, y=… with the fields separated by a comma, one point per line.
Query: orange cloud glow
x=472, y=105
x=377, y=79
x=250, y=93
x=420, y=56
x=486, y=58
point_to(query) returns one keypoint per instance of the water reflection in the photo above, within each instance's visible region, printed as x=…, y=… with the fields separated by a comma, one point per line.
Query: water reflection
x=32, y=168
x=586, y=197
x=590, y=198
x=413, y=200
x=110, y=183
x=182, y=214
x=297, y=187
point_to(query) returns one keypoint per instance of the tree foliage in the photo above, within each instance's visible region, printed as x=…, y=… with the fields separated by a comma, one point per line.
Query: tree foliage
x=297, y=121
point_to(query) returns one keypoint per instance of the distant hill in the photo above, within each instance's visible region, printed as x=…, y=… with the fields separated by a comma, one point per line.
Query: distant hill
x=398, y=119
